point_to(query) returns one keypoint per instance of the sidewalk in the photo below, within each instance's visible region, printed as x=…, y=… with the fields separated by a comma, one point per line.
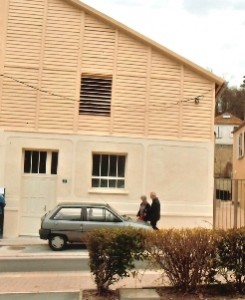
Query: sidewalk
x=35, y=247
x=23, y=282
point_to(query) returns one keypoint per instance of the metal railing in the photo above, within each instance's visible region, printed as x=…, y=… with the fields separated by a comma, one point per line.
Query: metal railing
x=229, y=203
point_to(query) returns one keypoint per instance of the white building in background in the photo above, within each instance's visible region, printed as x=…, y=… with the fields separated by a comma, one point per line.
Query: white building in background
x=224, y=126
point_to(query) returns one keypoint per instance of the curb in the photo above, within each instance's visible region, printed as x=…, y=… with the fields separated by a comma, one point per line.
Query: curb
x=75, y=295
x=22, y=241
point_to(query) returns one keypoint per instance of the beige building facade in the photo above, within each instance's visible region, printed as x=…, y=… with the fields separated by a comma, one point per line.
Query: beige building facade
x=224, y=125
x=239, y=152
x=239, y=167
x=91, y=110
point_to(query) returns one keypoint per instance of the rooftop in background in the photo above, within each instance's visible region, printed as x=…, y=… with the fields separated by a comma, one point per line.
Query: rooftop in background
x=227, y=119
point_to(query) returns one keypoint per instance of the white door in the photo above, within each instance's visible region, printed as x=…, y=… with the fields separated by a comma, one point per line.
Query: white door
x=38, y=196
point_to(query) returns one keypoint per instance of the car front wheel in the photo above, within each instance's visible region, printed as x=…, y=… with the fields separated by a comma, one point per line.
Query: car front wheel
x=57, y=242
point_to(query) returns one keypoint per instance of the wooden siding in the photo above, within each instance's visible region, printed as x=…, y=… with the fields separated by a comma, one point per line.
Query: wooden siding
x=2, y=20
x=163, y=67
x=24, y=33
x=131, y=56
x=56, y=111
x=197, y=118
x=165, y=97
x=18, y=105
x=97, y=57
x=62, y=36
x=22, y=56
x=164, y=108
x=129, y=105
x=50, y=43
x=59, y=64
x=129, y=102
x=98, y=46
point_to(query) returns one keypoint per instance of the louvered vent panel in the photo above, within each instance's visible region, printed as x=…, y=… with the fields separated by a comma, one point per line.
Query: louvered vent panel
x=98, y=45
x=24, y=32
x=95, y=96
x=18, y=104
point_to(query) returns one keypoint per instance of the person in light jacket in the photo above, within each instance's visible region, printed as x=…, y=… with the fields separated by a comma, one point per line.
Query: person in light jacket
x=143, y=213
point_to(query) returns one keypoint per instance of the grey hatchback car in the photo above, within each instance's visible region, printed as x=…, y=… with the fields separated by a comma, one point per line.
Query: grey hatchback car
x=68, y=222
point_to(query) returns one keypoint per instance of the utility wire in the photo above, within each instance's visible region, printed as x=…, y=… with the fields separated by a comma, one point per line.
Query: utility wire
x=36, y=88
x=195, y=99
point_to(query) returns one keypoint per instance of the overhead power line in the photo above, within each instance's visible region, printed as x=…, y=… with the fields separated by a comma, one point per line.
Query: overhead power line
x=196, y=99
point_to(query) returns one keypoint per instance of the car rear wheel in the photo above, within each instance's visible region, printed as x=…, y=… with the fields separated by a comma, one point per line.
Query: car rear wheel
x=57, y=242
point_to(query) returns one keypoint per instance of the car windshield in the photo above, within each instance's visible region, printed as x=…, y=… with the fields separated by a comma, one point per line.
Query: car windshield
x=124, y=217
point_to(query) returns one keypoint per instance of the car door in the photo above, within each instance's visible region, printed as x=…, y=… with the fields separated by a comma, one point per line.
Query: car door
x=99, y=217
x=68, y=221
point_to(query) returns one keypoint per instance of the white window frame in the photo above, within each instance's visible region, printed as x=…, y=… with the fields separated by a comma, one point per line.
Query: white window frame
x=219, y=133
x=99, y=179
x=36, y=164
x=240, y=145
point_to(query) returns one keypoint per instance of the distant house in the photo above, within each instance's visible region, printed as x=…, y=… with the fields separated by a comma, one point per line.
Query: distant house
x=92, y=110
x=224, y=126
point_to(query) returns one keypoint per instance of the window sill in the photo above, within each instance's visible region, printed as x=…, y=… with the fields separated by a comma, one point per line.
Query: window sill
x=108, y=191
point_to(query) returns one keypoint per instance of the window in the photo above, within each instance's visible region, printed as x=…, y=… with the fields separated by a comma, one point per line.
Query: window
x=108, y=171
x=54, y=162
x=68, y=214
x=95, y=214
x=243, y=142
x=219, y=133
x=40, y=162
x=240, y=146
x=95, y=95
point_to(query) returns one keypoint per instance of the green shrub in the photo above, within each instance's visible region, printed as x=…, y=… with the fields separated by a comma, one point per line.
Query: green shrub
x=187, y=256
x=231, y=257
x=112, y=254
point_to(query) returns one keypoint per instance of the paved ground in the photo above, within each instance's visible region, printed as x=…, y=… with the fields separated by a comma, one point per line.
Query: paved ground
x=16, y=282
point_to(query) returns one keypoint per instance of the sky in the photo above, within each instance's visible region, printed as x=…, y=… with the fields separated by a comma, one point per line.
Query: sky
x=210, y=33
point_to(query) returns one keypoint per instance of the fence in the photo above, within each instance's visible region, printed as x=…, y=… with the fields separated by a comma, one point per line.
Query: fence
x=229, y=203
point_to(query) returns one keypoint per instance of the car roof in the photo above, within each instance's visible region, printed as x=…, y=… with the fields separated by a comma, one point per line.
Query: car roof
x=83, y=204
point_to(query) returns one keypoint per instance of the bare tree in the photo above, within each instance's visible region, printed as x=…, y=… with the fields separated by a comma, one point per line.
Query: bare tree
x=232, y=100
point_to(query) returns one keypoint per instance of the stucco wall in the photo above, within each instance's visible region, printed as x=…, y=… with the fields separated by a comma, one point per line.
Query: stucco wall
x=239, y=162
x=175, y=172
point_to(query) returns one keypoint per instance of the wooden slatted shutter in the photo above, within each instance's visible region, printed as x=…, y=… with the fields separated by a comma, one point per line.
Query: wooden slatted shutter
x=95, y=95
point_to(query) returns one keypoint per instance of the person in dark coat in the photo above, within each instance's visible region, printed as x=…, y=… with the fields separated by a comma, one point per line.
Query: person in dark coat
x=2, y=205
x=155, y=211
x=143, y=213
